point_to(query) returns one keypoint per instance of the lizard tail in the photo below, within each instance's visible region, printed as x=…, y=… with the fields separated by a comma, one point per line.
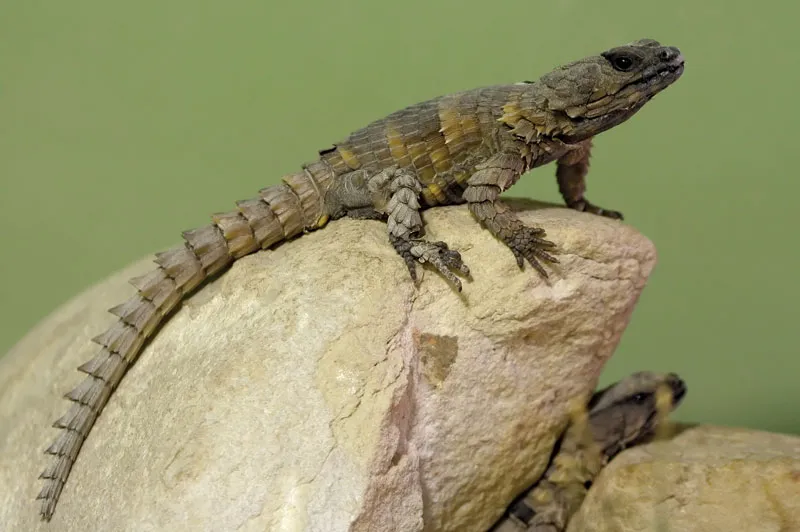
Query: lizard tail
x=279, y=213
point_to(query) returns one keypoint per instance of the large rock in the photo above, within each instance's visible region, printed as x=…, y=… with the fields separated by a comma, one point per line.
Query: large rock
x=705, y=479
x=313, y=387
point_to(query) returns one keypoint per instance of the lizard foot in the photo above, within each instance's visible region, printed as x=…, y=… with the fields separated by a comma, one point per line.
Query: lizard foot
x=528, y=243
x=437, y=254
x=587, y=206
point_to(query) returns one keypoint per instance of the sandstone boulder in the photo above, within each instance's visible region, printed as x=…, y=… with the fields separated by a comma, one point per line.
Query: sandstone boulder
x=705, y=479
x=313, y=387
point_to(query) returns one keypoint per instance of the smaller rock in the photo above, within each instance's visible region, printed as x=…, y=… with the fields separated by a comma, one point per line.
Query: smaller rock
x=706, y=478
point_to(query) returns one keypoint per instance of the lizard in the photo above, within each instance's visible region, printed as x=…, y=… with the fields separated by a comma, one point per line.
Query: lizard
x=465, y=147
x=624, y=414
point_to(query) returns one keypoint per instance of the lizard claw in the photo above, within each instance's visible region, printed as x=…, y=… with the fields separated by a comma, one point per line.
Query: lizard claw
x=440, y=257
x=527, y=244
x=437, y=254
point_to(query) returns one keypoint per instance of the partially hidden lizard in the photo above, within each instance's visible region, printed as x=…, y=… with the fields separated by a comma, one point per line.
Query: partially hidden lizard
x=627, y=413
x=466, y=147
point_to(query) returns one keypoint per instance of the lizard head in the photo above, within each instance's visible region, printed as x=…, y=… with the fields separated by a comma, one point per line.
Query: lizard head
x=628, y=412
x=594, y=94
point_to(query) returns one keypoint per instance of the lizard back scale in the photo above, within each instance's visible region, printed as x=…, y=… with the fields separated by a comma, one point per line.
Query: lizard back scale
x=466, y=147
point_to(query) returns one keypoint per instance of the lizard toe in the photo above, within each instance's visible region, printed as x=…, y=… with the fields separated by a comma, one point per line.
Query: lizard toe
x=443, y=259
x=527, y=244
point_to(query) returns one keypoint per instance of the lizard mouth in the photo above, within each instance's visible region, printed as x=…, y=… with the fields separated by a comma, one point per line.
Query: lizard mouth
x=678, y=388
x=655, y=79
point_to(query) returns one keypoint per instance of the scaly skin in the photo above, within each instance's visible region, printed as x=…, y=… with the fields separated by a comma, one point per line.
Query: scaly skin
x=464, y=147
x=627, y=413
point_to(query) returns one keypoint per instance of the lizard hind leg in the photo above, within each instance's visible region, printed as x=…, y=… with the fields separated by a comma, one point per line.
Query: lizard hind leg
x=405, y=230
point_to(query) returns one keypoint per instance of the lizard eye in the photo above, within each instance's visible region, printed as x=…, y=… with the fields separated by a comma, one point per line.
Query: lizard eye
x=623, y=63
x=640, y=398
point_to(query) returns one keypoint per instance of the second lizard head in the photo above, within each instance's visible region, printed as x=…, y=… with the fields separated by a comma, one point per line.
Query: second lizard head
x=628, y=412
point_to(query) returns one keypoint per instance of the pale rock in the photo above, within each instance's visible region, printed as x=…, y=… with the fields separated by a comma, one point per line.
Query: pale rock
x=313, y=387
x=707, y=478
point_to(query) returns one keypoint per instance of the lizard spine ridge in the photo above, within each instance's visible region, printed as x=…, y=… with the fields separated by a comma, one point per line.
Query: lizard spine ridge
x=281, y=212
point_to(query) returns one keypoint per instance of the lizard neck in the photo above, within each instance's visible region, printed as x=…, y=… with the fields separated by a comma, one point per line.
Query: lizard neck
x=527, y=113
x=533, y=128
x=532, y=112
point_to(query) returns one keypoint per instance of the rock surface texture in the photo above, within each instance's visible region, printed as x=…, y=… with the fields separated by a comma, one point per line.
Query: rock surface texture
x=706, y=478
x=313, y=387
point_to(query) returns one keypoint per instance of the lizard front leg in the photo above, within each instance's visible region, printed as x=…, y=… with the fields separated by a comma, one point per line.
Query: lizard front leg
x=554, y=503
x=392, y=194
x=405, y=228
x=571, y=170
x=490, y=179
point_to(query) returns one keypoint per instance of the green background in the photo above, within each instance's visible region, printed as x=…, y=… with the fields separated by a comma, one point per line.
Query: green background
x=123, y=123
